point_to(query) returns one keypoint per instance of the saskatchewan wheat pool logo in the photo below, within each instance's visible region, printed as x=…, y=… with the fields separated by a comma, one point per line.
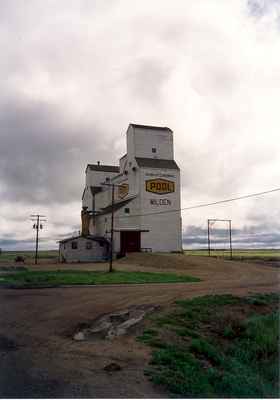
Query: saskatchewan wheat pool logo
x=123, y=190
x=160, y=186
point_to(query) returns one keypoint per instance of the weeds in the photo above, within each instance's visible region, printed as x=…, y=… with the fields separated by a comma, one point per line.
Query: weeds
x=240, y=360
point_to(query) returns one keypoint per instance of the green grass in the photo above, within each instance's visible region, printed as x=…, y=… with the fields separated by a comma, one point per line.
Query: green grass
x=202, y=349
x=238, y=254
x=11, y=255
x=69, y=277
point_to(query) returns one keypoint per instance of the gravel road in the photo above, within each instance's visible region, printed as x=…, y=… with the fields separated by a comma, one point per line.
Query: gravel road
x=40, y=359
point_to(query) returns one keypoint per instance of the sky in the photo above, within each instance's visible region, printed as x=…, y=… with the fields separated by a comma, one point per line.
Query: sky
x=75, y=73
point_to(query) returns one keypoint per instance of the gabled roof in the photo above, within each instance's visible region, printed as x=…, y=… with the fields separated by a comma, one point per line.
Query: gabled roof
x=151, y=127
x=89, y=237
x=103, y=168
x=156, y=163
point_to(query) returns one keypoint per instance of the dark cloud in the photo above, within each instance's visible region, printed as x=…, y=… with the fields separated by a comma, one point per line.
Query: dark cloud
x=42, y=156
x=76, y=73
x=246, y=237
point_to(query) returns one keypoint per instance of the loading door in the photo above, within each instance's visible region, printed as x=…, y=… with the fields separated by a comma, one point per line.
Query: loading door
x=130, y=241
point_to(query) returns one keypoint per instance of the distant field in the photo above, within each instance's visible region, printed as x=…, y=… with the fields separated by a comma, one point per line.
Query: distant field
x=262, y=254
x=10, y=255
x=251, y=254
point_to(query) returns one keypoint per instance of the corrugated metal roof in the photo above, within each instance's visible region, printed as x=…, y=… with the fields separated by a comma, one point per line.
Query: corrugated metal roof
x=151, y=127
x=117, y=206
x=103, y=168
x=89, y=237
x=156, y=163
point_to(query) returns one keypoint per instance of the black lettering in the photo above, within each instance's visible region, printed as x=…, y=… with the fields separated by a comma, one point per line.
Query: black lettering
x=153, y=185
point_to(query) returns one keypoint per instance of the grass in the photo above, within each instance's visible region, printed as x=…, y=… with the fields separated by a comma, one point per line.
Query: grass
x=239, y=254
x=69, y=277
x=11, y=255
x=217, y=346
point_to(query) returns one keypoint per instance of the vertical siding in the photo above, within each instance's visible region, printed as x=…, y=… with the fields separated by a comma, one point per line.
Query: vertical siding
x=82, y=254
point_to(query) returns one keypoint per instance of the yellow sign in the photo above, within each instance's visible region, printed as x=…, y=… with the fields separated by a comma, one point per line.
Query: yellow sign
x=160, y=186
x=123, y=190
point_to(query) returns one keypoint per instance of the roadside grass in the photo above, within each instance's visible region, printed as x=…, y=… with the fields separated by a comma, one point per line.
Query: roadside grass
x=71, y=277
x=238, y=254
x=216, y=346
x=11, y=255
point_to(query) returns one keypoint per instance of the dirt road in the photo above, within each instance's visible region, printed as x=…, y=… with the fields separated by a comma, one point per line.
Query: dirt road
x=40, y=359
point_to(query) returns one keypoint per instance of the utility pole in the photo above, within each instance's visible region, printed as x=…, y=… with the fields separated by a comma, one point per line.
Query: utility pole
x=230, y=241
x=37, y=218
x=113, y=185
x=112, y=229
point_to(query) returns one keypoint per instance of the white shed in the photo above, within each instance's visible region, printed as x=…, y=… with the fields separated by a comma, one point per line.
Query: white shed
x=83, y=249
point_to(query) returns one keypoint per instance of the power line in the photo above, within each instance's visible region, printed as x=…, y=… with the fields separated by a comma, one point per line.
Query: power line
x=204, y=204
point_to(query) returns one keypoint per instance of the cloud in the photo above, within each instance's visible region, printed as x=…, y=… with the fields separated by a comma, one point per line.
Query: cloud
x=248, y=237
x=77, y=73
x=43, y=156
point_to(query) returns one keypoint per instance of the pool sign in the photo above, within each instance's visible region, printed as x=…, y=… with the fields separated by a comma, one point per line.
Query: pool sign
x=160, y=186
x=123, y=190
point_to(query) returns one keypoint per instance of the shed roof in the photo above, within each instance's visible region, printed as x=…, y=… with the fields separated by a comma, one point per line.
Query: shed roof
x=95, y=189
x=151, y=127
x=103, y=168
x=117, y=206
x=156, y=163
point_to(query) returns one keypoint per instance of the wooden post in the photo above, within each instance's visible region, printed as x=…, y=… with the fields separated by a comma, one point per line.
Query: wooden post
x=208, y=237
x=112, y=229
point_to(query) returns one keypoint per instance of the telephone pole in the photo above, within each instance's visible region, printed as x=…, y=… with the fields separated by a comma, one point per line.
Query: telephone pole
x=113, y=185
x=37, y=218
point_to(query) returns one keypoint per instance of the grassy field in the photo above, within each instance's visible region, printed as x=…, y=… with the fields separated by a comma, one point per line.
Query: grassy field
x=10, y=255
x=217, y=346
x=68, y=277
x=238, y=254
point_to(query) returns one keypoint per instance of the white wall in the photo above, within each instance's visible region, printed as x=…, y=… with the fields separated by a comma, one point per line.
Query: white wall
x=81, y=254
x=165, y=228
x=140, y=142
x=95, y=178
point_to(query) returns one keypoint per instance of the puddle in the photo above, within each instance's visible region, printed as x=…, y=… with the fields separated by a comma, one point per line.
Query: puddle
x=114, y=324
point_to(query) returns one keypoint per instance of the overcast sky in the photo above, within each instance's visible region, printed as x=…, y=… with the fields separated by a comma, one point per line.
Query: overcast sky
x=74, y=74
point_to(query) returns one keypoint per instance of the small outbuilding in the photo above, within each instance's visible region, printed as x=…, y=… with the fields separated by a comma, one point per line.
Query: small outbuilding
x=84, y=249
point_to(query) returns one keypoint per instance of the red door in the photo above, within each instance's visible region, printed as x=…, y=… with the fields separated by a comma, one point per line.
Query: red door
x=130, y=241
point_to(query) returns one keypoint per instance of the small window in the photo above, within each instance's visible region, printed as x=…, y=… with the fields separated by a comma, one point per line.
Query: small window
x=107, y=179
x=74, y=245
x=101, y=244
x=88, y=245
x=105, y=219
x=127, y=210
x=154, y=150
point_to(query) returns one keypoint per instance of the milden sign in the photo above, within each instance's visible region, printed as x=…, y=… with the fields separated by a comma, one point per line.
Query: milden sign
x=160, y=186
